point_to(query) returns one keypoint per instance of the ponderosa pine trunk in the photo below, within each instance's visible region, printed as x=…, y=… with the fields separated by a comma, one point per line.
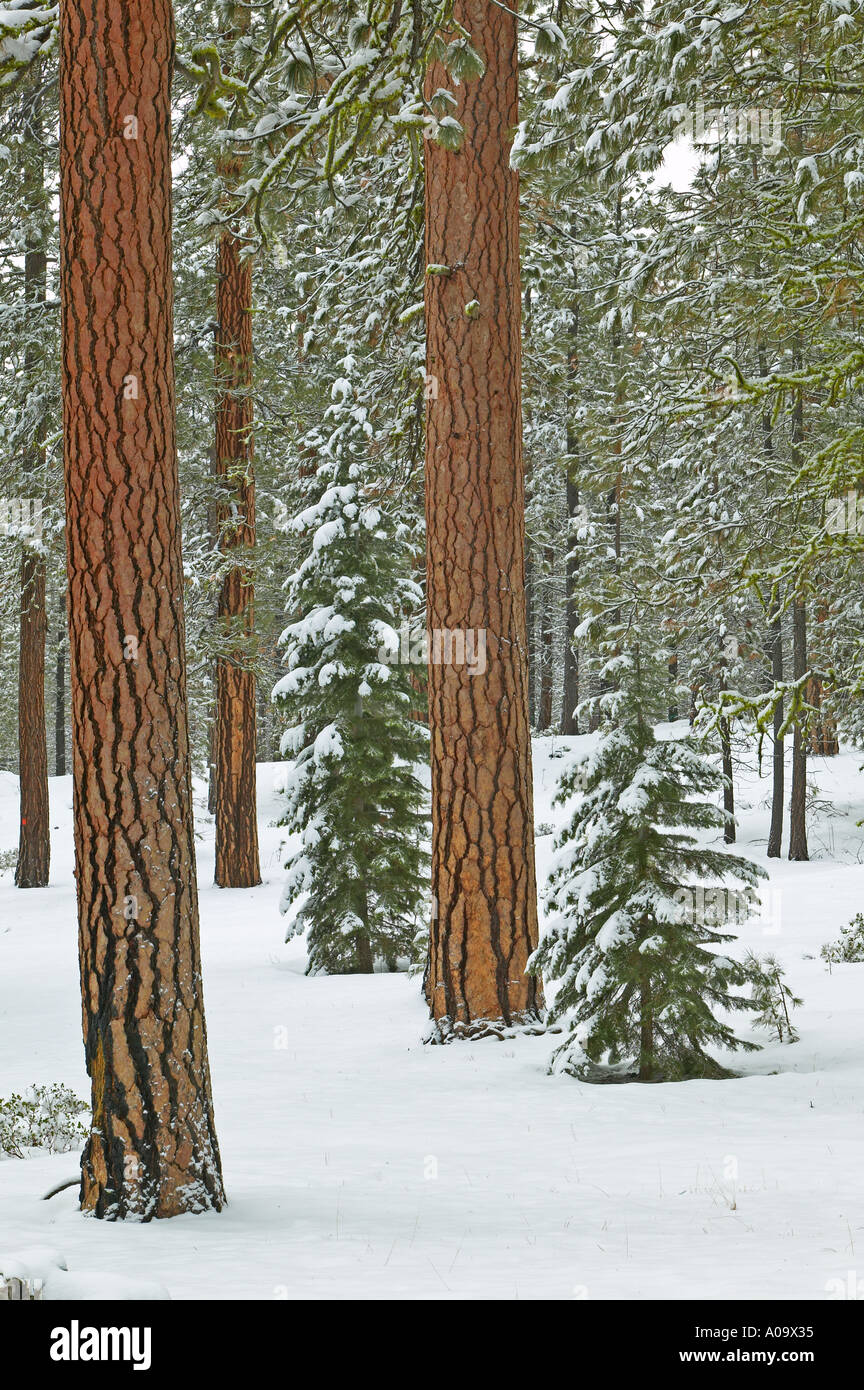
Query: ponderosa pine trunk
x=235, y=807
x=483, y=876
x=34, y=840
x=152, y=1148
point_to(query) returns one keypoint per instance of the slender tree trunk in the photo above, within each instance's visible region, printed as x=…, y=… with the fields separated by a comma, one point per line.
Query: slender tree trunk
x=798, y=795
x=778, y=790
x=547, y=639
x=211, y=764
x=530, y=644
x=152, y=1148
x=824, y=740
x=728, y=784
x=726, y=760
x=614, y=494
x=237, y=864
x=483, y=876
x=365, y=958
x=34, y=841
x=569, y=721
x=775, y=628
x=60, y=694
x=646, y=1032
x=213, y=527
x=673, y=711
x=34, y=844
x=823, y=731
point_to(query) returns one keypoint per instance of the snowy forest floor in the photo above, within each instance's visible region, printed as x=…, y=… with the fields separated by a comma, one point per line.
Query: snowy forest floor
x=361, y=1164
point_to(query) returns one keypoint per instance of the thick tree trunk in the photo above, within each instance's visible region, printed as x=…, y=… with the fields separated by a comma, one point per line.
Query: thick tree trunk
x=34, y=841
x=798, y=794
x=483, y=876
x=152, y=1149
x=237, y=864
x=778, y=790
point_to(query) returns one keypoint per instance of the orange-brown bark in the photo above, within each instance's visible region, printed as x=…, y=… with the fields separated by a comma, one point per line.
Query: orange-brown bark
x=237, y=864
x=483, y=878
x=152, y=1148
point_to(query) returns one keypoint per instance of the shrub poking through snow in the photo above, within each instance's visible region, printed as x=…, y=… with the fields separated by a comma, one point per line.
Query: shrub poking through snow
x=45, y=1117
x=773, y=1000
x=849, y=947
x=633, y=944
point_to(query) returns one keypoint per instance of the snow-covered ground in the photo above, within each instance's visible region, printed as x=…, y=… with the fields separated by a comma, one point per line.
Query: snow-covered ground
x=361, y=1164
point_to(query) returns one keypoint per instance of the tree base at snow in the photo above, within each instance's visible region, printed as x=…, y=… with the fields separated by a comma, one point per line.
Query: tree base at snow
x=445, y=1030
x=570, y=1060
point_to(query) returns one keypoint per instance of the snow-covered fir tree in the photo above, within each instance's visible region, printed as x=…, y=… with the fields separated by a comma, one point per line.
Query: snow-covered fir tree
x=357, y=878
x=634, y=944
